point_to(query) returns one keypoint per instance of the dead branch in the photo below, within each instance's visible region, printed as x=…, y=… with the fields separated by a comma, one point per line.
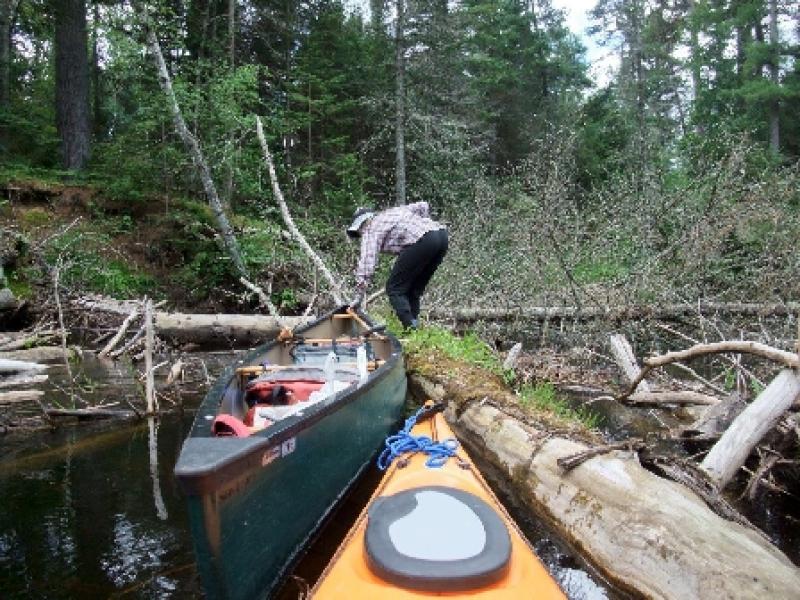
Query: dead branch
x=192, y=146
x=262, y=296
x=287, y=218
x=570, y=462
x=120, y=334
x=724, y=357
x=788, y=359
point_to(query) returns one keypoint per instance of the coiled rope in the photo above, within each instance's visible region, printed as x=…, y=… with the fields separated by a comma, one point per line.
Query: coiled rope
x=403, y=442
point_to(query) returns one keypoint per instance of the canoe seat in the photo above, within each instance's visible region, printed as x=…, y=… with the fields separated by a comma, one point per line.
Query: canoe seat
x=270, y=400
x=280, y=392
x=225, y=425
x=436, y=539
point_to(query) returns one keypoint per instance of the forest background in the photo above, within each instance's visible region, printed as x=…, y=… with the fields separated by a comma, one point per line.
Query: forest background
x=676, y=180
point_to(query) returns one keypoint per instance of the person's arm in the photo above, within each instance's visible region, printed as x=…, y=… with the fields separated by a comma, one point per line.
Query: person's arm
x=420, y=209
x=370, y=246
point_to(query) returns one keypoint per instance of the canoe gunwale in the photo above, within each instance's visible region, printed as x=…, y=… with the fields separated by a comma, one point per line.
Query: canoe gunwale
x=225, y=460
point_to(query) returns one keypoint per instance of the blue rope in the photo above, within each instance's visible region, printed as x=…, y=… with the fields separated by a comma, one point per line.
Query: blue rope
x=403, y=442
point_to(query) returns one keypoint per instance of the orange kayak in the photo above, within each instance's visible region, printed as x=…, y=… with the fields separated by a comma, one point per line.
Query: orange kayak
x=433, y=528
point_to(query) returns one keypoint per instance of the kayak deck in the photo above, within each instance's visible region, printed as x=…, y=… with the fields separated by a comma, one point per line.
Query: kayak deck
x=408, y=568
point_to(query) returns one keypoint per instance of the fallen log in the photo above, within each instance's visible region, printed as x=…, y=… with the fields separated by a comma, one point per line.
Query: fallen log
x=735, y=445
x=199, y=328
x=668, y=397
x=645, y=533
x=21, y=379
x=16, y=397
x=37, y=354
x=205, y=328
x=661, y=311
x=16, y=366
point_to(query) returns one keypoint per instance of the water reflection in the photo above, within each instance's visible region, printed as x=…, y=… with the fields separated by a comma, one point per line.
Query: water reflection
x=97, y=522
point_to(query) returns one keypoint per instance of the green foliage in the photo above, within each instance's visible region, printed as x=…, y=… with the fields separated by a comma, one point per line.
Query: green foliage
x=86, y=261
x=543, y=396
x=603, y=135
x=19, y=283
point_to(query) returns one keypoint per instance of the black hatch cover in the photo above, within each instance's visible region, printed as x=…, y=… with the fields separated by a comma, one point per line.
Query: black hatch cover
x=436, y=538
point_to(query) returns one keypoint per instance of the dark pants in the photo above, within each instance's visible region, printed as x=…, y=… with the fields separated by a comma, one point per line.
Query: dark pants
x=411, y=273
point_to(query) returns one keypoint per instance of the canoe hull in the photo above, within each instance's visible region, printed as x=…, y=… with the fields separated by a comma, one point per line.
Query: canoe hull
x=255, y=502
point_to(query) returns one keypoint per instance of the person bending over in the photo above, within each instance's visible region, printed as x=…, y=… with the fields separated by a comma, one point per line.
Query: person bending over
x=420, y=244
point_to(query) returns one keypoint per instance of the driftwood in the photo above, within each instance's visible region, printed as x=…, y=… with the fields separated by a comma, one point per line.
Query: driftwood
x=543, y=313
x=40, y=353
x=735, y=445
x=26, y=339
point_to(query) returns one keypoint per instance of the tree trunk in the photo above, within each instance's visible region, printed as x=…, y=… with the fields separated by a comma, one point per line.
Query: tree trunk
x=72, y=82
x=192, y=145
x=774, y=108
x=400, y=107
x=97, y=98
x=694, y=56
x=7, y=10
x=232, y=33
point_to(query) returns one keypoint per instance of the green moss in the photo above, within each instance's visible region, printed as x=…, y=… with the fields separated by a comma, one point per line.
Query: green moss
x=468, y=348
x=543, y=396
x=34, y=218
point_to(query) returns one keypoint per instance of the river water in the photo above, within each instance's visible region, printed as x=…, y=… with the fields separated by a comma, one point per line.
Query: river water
x=93, y=511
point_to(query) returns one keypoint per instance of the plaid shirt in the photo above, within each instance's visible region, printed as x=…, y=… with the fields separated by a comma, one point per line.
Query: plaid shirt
x=391, y=231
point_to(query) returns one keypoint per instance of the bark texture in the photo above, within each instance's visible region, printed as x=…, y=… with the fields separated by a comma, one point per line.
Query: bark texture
x=72, y=82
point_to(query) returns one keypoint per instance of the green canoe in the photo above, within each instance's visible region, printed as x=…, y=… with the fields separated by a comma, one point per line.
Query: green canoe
x=276, y=443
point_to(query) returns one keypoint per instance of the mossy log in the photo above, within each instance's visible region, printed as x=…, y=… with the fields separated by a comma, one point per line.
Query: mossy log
x=646, y=534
